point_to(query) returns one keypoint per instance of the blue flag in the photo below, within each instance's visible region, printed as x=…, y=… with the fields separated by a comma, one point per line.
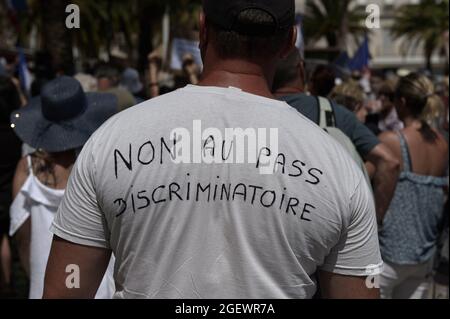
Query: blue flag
x=24, y=73
x=342, y=60
x=361, y=58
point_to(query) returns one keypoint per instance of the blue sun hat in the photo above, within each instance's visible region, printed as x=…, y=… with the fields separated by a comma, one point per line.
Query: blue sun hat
x=63, y=117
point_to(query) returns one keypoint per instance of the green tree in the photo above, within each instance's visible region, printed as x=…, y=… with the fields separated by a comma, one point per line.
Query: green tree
x=57, y=39
x=422, y=24
x=48, y=18
x=138, y=20
x=101, y=20
x=333, y=20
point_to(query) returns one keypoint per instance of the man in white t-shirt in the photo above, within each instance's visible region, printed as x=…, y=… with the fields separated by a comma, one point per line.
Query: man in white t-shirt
x=219, y=190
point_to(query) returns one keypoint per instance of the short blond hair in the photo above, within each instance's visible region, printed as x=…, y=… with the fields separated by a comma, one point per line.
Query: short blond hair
x=350, y=89
x=349, y=94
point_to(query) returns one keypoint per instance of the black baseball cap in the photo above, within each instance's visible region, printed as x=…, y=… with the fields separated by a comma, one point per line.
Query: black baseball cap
x=224, y=14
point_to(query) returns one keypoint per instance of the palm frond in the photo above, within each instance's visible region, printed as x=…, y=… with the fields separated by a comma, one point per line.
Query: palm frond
x=422, y=24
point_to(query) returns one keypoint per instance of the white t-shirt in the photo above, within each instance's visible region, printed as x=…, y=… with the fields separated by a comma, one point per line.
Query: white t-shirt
x=186, y=229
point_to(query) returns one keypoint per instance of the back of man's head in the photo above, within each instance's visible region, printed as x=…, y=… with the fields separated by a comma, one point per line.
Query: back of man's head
x=106, y=71
x=323, y=80
x=289, y=71
x=252, y=30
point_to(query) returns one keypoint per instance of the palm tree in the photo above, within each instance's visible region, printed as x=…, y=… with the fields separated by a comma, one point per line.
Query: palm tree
x=422, y=24
x=137, y=20
x=3, y=18
x=48, y=17
x=57, y=39
x=334, y=20
x=101, y=20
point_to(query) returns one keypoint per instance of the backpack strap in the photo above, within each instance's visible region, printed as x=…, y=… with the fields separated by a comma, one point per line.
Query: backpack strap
x=327, y=117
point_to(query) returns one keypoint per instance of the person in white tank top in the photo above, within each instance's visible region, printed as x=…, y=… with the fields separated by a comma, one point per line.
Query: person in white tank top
x=56, y=125
x=39, y=203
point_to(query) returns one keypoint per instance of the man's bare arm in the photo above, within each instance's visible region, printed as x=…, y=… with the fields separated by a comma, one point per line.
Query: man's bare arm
x=385, y=179
x=92, y=263
x=371, y=169
x=335, y=286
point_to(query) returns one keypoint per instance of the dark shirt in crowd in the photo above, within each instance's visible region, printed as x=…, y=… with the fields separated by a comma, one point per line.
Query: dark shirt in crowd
x=365, y=141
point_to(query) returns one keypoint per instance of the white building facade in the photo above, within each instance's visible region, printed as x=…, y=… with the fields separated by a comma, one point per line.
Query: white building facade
x=386, y=52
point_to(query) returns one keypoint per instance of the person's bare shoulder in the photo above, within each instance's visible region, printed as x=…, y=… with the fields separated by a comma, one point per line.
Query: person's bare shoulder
x=390, y=139
x=22, y=165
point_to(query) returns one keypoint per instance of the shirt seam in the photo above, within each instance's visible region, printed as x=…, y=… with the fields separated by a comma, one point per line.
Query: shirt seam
x=102, y=242
x=376, y=267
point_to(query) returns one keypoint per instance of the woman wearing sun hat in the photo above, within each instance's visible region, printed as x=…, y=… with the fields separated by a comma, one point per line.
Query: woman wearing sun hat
x=57, y=124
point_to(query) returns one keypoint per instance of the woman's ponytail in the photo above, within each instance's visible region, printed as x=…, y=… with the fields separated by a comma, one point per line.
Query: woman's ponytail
x=422, y=102
x=427, y=132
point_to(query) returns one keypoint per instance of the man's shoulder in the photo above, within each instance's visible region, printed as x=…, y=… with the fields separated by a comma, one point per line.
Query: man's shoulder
x=307, y=105
x=300, y=99
x=341, y=112
x=130, y=118
x=154, y=105
x=303, y=100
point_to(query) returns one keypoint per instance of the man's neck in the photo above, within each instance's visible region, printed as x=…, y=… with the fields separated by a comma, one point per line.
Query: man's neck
x=288, y=90
x=248, y=77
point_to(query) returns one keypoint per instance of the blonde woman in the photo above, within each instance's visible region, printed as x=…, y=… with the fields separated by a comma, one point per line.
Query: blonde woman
x=410, y=231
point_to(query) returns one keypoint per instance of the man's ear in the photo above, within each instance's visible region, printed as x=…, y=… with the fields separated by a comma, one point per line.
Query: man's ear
x=290, y=44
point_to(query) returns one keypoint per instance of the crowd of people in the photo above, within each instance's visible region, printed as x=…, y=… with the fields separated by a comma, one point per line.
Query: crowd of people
x=72, y=191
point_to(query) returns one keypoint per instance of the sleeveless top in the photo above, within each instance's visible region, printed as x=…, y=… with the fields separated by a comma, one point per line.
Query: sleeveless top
x=40, y=203
x=411, y=226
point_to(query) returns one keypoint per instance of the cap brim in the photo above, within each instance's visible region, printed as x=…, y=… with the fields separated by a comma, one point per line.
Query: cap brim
x=38, y=132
